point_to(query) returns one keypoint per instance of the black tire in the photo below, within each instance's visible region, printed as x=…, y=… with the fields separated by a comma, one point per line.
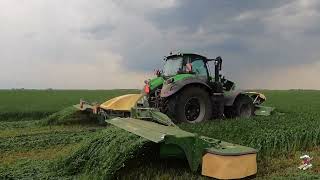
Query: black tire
x=191, y=105
x=102, y=117
x=243, y=107
x=229, y=112
x=218, y=107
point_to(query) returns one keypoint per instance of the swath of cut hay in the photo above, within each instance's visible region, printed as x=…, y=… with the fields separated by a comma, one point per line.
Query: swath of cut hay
x=69, y=115
x=103, y=155
x=100, y=157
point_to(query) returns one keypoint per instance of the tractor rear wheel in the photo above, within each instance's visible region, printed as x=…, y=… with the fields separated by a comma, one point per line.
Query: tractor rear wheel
x=191, y=105
x=243, y=107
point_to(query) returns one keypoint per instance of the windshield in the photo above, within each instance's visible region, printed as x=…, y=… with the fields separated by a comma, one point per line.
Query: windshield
x=172, y=66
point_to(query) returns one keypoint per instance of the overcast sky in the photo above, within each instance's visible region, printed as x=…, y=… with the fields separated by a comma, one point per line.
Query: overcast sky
x=101, y=44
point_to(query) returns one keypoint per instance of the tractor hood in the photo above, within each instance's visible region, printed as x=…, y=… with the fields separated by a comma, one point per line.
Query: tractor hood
x=155, y=82
x=176, y=78
x=179, y=77
x=158, y=81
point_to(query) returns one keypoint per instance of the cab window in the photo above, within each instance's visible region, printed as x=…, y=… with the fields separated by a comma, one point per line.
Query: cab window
x=198, y=67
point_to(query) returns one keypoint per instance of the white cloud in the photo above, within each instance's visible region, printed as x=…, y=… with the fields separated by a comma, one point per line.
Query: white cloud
x=294, y=17
x=304, y=76
x=105, y=73
x=43, y=45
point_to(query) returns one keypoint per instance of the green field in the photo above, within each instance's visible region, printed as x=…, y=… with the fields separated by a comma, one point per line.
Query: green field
x=21, y=104
x=42, y=137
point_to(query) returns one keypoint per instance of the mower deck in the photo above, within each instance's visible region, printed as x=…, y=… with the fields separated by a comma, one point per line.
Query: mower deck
x=218, y=159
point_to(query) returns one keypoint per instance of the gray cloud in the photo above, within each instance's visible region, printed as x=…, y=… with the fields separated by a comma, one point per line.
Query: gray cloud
x=256, y=31
x=246, y=33
x=193, y=14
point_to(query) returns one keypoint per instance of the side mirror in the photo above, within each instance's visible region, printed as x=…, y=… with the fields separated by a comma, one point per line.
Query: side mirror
x=189, y=67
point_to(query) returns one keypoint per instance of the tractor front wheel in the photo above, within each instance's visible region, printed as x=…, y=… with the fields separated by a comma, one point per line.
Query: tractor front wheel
x=243, y=107
x=192, y=105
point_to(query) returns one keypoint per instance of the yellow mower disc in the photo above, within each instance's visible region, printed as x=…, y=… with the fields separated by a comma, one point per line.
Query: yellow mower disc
x=122, y=103
x=229, y=167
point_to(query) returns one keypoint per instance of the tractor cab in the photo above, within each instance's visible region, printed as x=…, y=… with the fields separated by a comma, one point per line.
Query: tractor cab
x=197, y=65
x=185, y=64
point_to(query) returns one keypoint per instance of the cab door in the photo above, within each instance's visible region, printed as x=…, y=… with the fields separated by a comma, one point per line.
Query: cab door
x=199, y=67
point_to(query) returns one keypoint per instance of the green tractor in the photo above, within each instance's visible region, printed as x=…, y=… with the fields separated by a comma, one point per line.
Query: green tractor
x=187, y=91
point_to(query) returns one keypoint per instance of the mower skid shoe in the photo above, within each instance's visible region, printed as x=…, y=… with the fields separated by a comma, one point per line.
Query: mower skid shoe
x=229, y=167
x=263, y=110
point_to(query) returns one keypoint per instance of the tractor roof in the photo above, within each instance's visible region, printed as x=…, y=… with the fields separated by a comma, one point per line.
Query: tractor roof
x=184, y=53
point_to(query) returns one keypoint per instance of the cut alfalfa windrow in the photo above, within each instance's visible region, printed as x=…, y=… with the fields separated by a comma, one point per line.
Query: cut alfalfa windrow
x=69, y=115
x=103, y=155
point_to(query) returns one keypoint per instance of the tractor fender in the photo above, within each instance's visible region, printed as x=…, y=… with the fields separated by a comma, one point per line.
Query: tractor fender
x=230, y=97
x=172, y=88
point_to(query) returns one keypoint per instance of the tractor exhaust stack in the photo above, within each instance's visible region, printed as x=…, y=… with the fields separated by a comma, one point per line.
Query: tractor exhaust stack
x=217, y=68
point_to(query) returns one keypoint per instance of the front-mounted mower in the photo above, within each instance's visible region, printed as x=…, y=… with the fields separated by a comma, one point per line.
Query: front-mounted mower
x=186, y=92
x=216, y=158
